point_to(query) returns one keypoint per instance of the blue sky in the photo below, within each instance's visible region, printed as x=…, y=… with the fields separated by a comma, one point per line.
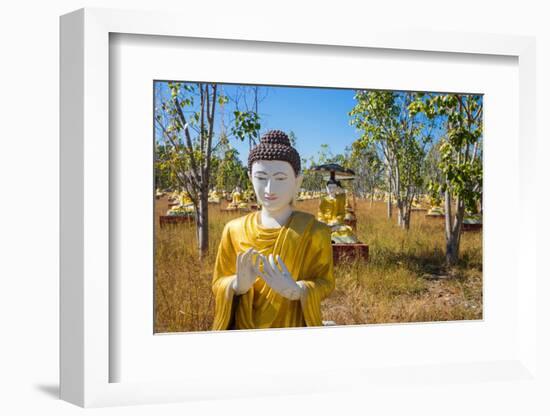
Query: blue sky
x=315, y=115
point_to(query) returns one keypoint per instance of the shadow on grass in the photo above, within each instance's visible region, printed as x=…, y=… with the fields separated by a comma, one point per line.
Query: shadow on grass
x=418, y=263
x=432, y=263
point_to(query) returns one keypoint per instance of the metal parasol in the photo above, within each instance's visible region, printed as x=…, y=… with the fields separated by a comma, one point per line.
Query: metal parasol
x=335, y=171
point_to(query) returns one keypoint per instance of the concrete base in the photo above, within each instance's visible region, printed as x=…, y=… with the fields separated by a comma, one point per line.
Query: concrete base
x=176, y=219
x=341, y=252
x=472, y=227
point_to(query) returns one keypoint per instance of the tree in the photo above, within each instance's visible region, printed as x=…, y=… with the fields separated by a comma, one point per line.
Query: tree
x=185, y=118
x=246, y=101
x=163, y=178
x=231, y=172
x=400, y=139
x=368, y=168
x=460, y=158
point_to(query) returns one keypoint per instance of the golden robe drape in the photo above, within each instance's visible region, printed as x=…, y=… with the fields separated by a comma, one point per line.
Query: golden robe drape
x=305, y=247
x=332, y=210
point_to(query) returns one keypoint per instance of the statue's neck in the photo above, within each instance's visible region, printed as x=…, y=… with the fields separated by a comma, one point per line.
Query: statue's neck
x=275, y=219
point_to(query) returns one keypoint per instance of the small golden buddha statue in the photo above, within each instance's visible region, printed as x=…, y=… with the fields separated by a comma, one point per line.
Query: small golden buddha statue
x=214, y=197
x=184, y=199
x=332, y=211
x=418, y=203
x=273, y=267
x=472, y=216
x=436, y=209
x=184, y=205
x=237, y=201
x=236, y=196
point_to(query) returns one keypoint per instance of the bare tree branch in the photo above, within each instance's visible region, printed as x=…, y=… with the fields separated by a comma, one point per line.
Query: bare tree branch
x=210, y=133
x=189, y=142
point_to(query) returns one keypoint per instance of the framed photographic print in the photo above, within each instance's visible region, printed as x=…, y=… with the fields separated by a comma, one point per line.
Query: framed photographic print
x=271, y=207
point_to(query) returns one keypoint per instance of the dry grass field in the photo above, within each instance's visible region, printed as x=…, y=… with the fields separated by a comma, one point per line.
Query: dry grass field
x=404, y=280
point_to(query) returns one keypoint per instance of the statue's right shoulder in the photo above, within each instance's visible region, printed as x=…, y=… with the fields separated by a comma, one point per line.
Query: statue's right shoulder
x=240, y=222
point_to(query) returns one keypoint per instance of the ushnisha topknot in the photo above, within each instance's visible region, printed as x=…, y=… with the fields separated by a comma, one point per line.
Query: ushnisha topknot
x=275, y=145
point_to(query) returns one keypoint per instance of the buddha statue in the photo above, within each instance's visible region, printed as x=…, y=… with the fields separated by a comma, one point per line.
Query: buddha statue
x=236, y=197
x=332, y=208
x=274, y=266
x=436, y=208
x=184, y=205
x=416, y=204
x=185, y=201
x=237, y=200
x=214, y=197
x=332, y=211
x=472, y=217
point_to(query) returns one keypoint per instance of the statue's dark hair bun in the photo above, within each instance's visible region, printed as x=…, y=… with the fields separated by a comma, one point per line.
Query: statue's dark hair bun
x=275, y=145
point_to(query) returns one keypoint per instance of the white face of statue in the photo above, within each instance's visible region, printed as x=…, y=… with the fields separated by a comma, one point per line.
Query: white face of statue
x=275, y=183
x=332, y=189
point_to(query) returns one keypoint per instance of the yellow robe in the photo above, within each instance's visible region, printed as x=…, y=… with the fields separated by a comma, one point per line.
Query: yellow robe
x=303, y=244
x=332, y=210
x=236, y=197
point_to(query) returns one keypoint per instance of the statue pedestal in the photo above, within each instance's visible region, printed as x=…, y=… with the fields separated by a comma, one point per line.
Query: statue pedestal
x=235, y=210
x=466, y=227
x=176, y=219
x=350, y=252
x=435, y=217
x=472, y=227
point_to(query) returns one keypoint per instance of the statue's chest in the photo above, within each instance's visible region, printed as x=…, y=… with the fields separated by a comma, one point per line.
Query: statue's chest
x=259, y=243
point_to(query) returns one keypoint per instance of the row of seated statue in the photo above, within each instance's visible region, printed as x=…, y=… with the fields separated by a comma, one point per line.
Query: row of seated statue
x=183, y=205
x=308, y=195
x=240, y=199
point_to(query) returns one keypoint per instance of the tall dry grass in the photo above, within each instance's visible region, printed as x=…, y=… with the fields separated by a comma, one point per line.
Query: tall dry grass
x=405, y=279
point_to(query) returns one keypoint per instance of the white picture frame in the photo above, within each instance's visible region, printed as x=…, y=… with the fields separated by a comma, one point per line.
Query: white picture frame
x=85, y=353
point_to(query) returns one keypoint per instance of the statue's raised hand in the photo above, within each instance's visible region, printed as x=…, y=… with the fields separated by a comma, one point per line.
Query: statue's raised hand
x=246, y=271
x=276, y=275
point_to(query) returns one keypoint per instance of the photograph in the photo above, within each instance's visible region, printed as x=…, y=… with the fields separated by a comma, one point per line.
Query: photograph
x=297, y=206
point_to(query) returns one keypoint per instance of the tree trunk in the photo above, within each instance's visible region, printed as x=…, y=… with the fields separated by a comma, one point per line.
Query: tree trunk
x=403, y=215
x=406, y=221
x=400, y=213
x=398, y=198
x=202, y=224
x=453, y=229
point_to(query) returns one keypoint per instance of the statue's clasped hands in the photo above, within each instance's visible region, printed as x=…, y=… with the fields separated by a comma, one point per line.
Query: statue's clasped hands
x=271, y=269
